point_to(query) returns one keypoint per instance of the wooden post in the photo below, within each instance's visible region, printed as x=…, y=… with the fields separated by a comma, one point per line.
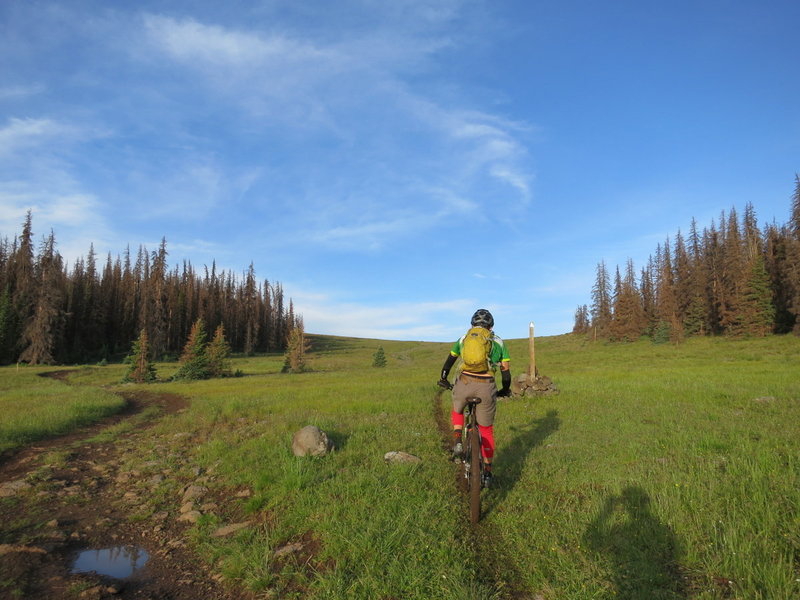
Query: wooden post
x=532, y=363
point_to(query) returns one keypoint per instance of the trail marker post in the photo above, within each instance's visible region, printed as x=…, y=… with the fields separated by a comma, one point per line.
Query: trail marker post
x=532, y=355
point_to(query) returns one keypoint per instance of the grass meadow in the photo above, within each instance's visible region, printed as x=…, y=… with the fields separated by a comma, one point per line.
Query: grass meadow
x=657, y=472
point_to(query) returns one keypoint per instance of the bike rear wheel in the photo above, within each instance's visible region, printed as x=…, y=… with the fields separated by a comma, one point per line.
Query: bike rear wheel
x=474, y=449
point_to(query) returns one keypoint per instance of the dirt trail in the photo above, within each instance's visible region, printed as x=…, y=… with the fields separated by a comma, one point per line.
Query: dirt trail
x=484, y=538
x=70, y=494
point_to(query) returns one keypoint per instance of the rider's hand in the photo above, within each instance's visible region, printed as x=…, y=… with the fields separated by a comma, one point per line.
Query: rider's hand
x=443, y=383
x=504, y=393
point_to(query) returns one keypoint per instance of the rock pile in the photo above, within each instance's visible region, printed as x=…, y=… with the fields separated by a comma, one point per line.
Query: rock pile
x=539, y=385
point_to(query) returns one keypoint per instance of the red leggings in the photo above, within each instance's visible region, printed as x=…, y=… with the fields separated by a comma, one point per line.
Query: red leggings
x=487, y=434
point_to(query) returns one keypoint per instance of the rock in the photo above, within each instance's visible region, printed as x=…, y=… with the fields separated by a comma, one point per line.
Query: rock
x=12, y=488
x=311, y=441
x=11, y=549
x=187, y=507
x=396, y=457
x=229, y=529
x=288, y=549
x=53, y=523
x=764, y=399
x=190, y=517
x=524, y=385
x=246, y=493
x=193, y=492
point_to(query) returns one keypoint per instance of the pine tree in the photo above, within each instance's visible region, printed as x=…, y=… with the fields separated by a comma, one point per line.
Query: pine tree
x=217, y=353
x=601, y=301
x=582, y=320
x=792, y=282
x=628, y=322
x=43, y=329
x=7, y=326
x=777, y=265
x=294, y=360
x=251, y=306
x=141, y=369
x=194, y=360
x=669, y=325
x=379, y=358
x=757, y=315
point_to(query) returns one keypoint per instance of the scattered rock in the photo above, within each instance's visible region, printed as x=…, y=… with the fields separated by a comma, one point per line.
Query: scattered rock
x=311, y=441
x=396, y=457
x=11, y=549
x=229, y=529
x=193, y=492
x=93, y=593
x=288, y=549
x=190, y=517
x=12, y=488
x=524, y=385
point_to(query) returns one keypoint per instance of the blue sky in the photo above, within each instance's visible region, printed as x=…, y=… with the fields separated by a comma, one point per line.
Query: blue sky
x=396, y=165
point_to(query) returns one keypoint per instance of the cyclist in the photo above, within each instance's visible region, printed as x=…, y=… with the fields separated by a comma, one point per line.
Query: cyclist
x=480, y=384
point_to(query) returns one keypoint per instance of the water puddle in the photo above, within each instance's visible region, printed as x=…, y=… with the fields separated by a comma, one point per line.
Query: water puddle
x=119, y=562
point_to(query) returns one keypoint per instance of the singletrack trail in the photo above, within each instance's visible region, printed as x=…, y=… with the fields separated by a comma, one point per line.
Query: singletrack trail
x=493, y=566
x=77, y=492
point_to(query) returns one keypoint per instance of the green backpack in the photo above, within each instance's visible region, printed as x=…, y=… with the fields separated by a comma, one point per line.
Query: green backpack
x=475, y=350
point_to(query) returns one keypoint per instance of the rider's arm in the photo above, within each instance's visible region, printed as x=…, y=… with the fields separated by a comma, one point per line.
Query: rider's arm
x=448, y=364
x=505, y=377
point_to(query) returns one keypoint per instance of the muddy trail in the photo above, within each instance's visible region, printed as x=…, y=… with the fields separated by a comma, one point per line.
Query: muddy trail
x=79, y=519
x=493, y=568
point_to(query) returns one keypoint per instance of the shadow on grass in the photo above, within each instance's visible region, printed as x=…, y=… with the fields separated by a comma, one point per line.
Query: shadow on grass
x=641, y=552
x=339, y=439
x=511, y=459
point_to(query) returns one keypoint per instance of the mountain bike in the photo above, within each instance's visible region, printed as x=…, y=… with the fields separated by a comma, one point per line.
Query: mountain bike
x=471, y=459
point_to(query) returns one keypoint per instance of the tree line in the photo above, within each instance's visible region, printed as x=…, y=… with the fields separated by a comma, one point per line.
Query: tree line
x=51, y=312
x=732, y=278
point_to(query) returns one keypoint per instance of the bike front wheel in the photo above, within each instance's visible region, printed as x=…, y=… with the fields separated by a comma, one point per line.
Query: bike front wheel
x=474, y=449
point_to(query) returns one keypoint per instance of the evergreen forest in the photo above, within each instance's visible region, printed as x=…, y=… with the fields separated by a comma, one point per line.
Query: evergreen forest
x=733, y=278
x=51, y=312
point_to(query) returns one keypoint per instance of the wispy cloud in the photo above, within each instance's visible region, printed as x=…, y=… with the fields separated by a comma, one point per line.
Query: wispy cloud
x=352, y=90
x=15, y=92
x=19, y=134
x=408, y=320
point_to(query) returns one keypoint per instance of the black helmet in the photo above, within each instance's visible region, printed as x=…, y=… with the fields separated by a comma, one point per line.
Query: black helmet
x=482, y=318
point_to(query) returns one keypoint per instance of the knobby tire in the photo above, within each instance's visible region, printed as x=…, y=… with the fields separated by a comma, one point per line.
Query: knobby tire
x=474, y=475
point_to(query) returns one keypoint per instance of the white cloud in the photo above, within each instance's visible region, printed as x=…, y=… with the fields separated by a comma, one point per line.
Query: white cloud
x=197, y=44
x=409, y=320
x=20, y=91
x=24, y=133
x=513, y=178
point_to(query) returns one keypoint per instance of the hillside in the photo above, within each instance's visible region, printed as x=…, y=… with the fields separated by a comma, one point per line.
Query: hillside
x=658, y=471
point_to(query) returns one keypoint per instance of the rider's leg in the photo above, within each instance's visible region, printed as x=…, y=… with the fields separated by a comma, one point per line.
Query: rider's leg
x=458, y=424
x=487, y=445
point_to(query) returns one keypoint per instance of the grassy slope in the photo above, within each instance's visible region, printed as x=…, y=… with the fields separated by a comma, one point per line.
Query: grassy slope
x=657, y=472
x=35, y=406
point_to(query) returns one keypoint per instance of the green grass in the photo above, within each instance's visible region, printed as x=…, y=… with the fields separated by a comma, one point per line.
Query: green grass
x=658, y=472
x=35, y=406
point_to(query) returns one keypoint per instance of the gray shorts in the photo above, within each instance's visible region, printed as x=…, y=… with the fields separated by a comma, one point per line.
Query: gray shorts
x=485, y=389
